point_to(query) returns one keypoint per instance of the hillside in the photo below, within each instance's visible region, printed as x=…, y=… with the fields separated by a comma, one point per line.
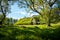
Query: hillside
x=27, y=20
x=24, y=21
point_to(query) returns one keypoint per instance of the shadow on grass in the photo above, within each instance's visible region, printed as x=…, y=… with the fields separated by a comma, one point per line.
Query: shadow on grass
x=28, y=33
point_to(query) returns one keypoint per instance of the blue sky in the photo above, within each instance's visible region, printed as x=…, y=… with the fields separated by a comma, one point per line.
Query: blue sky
x=17, y=13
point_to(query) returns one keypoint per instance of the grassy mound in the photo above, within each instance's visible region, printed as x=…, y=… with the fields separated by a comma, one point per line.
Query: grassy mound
x=24, y=21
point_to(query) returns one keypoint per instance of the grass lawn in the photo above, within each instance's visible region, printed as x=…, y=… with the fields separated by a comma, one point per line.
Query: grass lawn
x=30, y=32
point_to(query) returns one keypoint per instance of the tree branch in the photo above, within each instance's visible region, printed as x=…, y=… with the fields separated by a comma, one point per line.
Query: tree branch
x=52, y=3
x=34, y=8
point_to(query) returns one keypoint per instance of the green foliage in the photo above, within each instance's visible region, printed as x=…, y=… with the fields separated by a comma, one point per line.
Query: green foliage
x=29, y=33
x=9, y=21
x=37, y=19
x=55, y=16
x=58, y=4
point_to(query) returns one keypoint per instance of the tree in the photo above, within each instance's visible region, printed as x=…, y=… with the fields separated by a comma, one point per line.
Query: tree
x=5, y=8
x=9, y=21
x=37, y=19
x=40, y=5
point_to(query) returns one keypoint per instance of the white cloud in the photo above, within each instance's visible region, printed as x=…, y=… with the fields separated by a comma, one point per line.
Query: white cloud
x=22, y=13
x=33, y=14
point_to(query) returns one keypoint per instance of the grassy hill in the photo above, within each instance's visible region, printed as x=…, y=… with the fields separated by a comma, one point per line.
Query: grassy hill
x=24, y=21
x=27, y=21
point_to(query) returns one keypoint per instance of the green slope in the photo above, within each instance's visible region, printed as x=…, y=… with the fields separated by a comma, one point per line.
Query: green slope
x=24, y=21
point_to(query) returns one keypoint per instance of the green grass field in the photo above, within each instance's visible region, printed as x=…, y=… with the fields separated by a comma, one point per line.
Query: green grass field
x=30, y=32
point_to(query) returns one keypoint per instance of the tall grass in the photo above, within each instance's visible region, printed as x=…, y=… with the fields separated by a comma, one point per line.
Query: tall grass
x=40, y=32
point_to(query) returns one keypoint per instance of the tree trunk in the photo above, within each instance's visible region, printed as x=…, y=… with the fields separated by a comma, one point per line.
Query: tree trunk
x=49, y=22
x=1, y=22
x=4, y=15
x=50, y=4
